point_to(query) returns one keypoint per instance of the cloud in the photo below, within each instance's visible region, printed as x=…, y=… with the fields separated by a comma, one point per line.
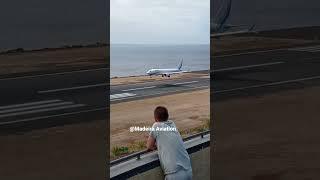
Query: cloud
x=160, y=22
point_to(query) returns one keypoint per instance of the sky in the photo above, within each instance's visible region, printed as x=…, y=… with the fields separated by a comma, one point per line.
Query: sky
x=272, y=14
x=37, y=24
x=54, y=23
x=159, y=22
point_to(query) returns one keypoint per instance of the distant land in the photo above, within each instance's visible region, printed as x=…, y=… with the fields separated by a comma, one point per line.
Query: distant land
x=22, y=50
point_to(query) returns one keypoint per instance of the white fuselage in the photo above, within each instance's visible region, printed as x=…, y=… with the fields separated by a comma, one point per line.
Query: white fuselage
x=166, y=72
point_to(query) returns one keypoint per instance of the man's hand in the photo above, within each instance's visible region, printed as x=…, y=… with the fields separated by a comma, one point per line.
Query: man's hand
x=151, y=143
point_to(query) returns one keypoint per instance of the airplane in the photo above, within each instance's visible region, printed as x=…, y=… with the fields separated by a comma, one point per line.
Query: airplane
x=166, y=72
x=219, y=28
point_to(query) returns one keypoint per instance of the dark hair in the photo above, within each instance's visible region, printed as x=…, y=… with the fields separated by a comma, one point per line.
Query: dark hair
x=161, y=113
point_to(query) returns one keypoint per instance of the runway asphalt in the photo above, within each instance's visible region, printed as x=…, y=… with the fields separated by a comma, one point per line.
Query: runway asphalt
x=121, y=93
x=257, y=73
x=26, y=102
x=38, y=101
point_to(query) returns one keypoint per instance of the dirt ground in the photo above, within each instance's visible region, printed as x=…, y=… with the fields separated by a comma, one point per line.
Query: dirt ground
x=52, y=60
x=250, y=43
x=275, y=136
x=187, y=110
x=75, y=151
x=141, y=79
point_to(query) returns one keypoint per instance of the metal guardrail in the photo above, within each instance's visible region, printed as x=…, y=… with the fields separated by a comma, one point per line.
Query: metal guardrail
x=137, y=155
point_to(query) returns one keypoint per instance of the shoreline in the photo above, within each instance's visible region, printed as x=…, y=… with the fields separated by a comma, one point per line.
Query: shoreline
x=24, y=50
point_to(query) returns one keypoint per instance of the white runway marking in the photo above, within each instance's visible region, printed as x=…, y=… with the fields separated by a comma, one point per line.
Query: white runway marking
x=268, y=84
x=72, y=88
x=246, y=53
x=53, y=74
x=36, y=107
x=306, y=49
x=51, y=116
x=169, y=92
x=181, y=83
x=29, y=104
x=247, y=67
x=122, y=95
x=253, y=52
x=148, y=87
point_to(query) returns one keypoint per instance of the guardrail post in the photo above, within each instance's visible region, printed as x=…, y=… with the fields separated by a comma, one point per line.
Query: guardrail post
x=138, y=156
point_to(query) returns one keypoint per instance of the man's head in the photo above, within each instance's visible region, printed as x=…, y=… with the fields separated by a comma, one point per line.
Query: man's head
x=161, y=114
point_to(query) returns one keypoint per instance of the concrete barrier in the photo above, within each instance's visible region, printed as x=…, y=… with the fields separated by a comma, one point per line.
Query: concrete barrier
x=200, y=167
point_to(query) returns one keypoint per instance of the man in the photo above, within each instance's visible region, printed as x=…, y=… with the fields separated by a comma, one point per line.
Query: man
x=164, y=137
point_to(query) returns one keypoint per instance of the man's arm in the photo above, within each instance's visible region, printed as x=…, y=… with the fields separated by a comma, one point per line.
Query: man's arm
x=151, y=143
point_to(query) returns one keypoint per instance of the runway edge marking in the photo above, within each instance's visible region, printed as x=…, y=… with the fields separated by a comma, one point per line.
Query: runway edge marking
x=268, y=84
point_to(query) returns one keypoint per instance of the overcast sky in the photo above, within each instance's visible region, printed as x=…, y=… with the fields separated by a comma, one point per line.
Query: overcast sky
x=159, y=22
x=272, y=14
x=37, y=24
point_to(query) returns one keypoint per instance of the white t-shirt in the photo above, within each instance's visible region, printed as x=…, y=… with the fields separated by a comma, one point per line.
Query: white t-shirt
x=170, y=146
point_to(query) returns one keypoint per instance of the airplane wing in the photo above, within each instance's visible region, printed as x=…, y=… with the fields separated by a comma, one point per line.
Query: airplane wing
x=231, y=33
x=170, y=73
x=178, y=72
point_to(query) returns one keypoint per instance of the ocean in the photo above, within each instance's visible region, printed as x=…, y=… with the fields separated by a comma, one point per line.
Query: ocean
x=132, y=60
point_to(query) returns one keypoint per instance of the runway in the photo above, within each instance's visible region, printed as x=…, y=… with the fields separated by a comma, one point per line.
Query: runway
x=167, y=86
x=265, y=72
x=46, y=100
x=27, y=102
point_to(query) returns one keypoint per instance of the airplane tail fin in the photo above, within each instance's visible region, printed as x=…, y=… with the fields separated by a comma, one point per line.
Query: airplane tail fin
x=180, y=65
x=223, y=14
